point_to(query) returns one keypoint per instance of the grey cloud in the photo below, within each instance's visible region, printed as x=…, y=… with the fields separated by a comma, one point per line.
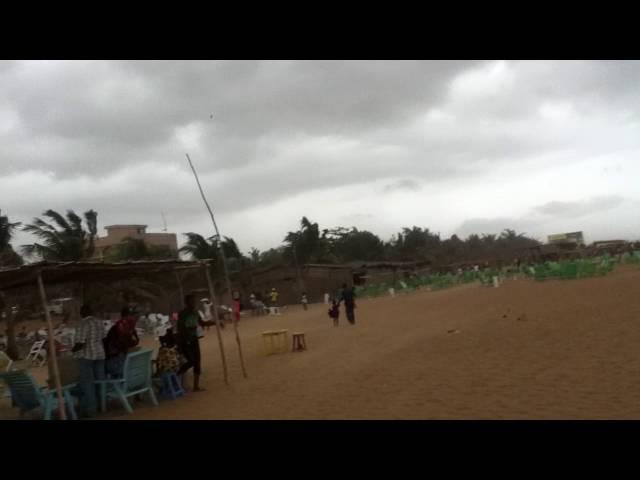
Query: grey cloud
x=129, y=107
x=108, y=131
x=493, y=226
x=551, y=217
x=406, y=184
x=580, y=208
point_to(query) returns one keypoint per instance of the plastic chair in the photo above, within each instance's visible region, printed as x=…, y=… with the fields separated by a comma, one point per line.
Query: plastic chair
x=136, y=380
x=5, y=362
x=170, y=386
x=36, y=354
x=27, y=395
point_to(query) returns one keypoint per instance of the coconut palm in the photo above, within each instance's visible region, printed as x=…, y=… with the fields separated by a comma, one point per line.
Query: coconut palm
x=202, y=248
x=8, y=257
x=198, y=247
x=63, y=238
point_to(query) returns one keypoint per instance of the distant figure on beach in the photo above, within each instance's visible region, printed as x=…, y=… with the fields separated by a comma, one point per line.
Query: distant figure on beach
x=348, y=297
x=304, y=300
x=188, y=343
x=274, y=297
x=334, y=313
x=236, y=306
x=205, y=313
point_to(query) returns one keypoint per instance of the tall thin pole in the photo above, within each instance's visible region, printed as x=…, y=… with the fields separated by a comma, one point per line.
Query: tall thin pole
x=214, y=304
x=224, y=263
x=52, y=349
x=295, y=260
x=180, y=290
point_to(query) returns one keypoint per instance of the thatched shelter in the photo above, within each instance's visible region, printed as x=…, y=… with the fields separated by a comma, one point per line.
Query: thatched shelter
x=37, y=275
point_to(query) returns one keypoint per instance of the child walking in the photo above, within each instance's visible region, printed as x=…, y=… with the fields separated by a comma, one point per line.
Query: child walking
x=334, y=313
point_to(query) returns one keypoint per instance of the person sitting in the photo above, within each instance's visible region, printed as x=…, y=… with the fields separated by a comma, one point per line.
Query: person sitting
x=168, y=360
x=119, y=340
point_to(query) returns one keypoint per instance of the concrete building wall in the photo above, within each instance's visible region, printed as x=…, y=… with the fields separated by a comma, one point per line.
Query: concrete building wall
x=117, y=233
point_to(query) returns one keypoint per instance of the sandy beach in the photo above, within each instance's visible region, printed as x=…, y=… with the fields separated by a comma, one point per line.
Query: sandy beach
x=526, y=350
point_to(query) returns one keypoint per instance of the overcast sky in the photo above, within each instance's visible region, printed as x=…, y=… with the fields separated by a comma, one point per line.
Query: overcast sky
x=459, y=147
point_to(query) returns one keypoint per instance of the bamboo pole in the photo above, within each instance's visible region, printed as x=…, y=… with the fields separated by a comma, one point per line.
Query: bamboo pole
x=224, y=265
x=52, y=348
x=215, y=316
x=179, y=286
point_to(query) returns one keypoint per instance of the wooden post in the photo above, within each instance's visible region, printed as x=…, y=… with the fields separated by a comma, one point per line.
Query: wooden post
x=179, y=287
x=52, y=349
x=224, y=264
x=212, y=296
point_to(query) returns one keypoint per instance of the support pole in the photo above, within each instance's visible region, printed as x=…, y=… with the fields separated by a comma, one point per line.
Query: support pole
x=295, y=260
x=52, y=349
x=224, y=265
x=214, y=304
x=179, y=281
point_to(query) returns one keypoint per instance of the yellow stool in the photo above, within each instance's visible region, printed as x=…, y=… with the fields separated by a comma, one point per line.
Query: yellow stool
x=275, y=341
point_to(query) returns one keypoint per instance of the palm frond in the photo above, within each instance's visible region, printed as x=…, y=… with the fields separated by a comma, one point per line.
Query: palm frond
x=58, y=219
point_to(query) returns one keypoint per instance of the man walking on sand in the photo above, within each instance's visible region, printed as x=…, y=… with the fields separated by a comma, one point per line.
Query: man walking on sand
x=349, y=298
x=188, y=341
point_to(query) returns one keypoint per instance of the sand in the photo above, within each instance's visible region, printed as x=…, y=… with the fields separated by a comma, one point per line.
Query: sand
x=526, y=350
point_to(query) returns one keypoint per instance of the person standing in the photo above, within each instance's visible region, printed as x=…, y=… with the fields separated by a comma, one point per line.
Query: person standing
x=89, y=350
x=236, y=306
x=305, y=300
x=188, y=322
x=120, y=339
x=205, y=313
x=274, y=297
x=348, y=297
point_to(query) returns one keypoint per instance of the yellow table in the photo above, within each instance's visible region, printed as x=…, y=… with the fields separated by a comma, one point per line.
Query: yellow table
x=275, y=341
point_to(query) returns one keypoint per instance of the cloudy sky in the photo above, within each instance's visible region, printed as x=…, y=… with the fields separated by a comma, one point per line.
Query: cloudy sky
x=459, y=147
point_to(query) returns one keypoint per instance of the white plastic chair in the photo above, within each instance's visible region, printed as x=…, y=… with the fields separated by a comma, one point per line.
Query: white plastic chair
x=5, y=362
x=37, y=354
x=5, y=366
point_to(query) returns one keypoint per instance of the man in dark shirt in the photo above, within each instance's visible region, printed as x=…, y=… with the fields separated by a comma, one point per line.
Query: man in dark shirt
x=349, y=298
x=188, y=342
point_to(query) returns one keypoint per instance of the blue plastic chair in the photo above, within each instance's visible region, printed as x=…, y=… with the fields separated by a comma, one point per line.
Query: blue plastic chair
x=170, y=386
x=27, y=395
x=136, y=381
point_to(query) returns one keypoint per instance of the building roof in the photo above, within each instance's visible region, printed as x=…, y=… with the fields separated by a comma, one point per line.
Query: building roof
x=107, y=227
x=326, y=265
x=87, y=271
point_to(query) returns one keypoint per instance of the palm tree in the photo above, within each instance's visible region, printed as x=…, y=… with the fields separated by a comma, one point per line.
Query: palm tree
x=198, y=247
x=306, y=244
x=8, y=257
x=254, y=255
x=63, y=239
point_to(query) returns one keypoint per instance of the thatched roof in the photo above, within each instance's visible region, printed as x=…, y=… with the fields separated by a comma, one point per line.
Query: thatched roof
x=63, y=272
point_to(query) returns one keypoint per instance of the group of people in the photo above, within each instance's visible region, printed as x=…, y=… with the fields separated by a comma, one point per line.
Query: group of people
x=347, y=296
x=101, y=355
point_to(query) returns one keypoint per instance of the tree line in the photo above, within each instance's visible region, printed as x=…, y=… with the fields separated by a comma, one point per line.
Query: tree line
x=71, y=237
